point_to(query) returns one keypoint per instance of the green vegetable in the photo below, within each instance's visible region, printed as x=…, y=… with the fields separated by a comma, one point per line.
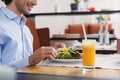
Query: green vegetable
x=67, y=53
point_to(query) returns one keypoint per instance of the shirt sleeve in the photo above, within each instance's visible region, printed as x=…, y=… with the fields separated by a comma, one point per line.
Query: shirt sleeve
x=18, y=63
x=21, y=63
x=0, y=55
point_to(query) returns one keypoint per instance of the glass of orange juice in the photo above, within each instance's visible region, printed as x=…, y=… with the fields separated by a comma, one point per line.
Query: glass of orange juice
x=88, y=54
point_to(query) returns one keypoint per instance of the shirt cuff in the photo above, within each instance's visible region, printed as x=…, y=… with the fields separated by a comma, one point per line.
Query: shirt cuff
x=22, y=63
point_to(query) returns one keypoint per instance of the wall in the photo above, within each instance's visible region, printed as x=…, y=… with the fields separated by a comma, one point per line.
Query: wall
x=64, y=5
x=1, y=3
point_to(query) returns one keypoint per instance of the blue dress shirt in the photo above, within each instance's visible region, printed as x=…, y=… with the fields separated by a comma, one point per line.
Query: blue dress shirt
x=16, y=41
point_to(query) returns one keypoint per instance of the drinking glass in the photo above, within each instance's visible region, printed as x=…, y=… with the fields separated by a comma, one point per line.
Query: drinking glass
x=89, y=52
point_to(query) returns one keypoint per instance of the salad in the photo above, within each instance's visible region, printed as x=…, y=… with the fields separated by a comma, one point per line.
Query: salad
x=68, y=53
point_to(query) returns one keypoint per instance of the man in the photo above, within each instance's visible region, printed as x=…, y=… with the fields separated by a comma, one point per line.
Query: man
x=16, y=39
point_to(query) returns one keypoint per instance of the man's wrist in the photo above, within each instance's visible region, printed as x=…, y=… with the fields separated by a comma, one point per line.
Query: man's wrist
x=31, y=62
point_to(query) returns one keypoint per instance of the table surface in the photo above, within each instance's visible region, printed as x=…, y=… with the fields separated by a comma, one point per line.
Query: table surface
x=73, y=37
x=36, y=72
x=102, y=51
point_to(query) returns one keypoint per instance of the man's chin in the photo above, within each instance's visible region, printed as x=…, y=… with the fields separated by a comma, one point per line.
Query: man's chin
x=27, y=14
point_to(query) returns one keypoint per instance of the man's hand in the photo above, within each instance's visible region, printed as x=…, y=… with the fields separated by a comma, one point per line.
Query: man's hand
x=59, y=45
x=42, y=54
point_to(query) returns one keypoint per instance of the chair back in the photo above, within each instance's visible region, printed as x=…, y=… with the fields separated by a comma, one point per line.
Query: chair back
x=44, y=36
x=118, y=46
x=31, y=25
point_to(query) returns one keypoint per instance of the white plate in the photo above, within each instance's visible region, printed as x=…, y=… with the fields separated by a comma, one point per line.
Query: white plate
x=67, y=60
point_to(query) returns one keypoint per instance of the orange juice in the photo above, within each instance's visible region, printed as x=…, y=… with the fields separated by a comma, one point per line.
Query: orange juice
x=89, y=51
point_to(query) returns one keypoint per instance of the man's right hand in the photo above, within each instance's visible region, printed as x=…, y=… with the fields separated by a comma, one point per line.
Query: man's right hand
x=42, y=54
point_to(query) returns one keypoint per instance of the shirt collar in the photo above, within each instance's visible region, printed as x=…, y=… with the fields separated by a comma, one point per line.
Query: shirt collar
x=8, y=13
x=11, y=15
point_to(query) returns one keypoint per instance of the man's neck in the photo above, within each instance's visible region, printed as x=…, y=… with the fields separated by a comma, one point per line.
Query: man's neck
x=13, y=8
